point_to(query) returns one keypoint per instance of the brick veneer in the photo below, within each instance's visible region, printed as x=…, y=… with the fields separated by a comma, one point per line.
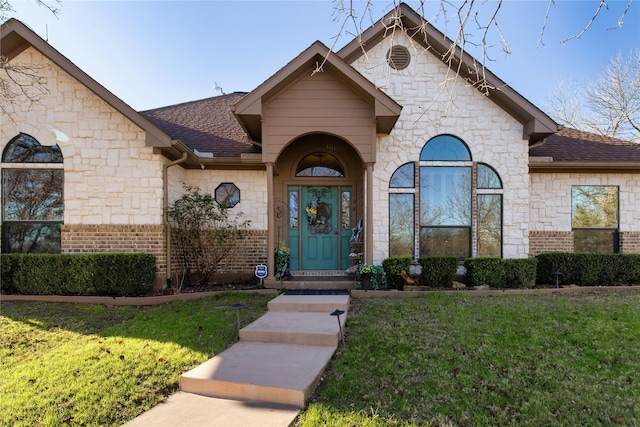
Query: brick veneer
x=117, y=238
x=243, y=258
x=550, y=241
x=630, y=242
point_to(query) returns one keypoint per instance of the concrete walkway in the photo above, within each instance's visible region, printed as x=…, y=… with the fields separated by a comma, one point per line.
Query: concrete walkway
x=265, y=378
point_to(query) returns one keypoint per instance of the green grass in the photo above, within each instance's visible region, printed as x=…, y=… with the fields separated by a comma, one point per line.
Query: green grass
x=94, y=365
x=459, y=360
x=436, y=360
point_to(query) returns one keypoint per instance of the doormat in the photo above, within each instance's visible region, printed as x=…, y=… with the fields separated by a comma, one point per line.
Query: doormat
x=317, y=292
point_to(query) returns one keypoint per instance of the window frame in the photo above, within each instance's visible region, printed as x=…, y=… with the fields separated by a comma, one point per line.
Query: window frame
x=33, y=162
x=603, y=229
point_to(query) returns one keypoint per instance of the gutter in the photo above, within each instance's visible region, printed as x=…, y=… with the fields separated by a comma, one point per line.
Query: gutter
x=165, y=206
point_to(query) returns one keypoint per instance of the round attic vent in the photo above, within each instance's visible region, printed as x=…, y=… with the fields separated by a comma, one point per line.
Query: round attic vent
x=398, y=57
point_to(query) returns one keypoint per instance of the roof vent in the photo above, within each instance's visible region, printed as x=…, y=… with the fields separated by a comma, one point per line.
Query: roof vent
x=398, y=57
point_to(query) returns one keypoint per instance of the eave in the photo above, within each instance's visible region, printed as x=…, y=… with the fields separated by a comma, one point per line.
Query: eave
x=587, y=166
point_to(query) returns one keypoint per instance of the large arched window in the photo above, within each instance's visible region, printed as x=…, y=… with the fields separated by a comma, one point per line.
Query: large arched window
x=32, y=196
x=444, y=183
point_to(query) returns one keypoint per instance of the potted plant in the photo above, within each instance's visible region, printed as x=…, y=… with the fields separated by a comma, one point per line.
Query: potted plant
x=372, y=277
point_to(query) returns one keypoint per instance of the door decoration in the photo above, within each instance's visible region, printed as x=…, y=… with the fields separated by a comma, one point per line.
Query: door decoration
x=319, y=212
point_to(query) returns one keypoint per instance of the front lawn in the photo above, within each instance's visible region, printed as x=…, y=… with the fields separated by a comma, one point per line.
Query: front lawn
x=94, y=365
x=434, y=360
x=459, y=360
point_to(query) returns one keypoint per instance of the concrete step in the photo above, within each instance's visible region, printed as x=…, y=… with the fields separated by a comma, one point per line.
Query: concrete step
x=308, y=283
x=277, y=373
x=303, y=303
x=315, y=329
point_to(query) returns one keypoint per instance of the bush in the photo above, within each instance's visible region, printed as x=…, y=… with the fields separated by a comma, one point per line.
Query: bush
x=79, y=274
x=629, y=269
x=392, y=267
x=589, y=269
x=520, y=273
x=485, y=271
x=8, y=266
x=438, y=271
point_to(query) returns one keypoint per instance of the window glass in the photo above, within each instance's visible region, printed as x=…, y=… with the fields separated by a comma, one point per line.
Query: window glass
x=403, y=177
x=594, y=241
x=293, y=209
x=31, y=237
x=401, y=224
x=445, y=148
x=445, y=241
x=32, y=194
x=227, y=195
x=594, y=218
x=594, y=206
x=25, y=149
x=445, y=195
x=487, y=177
x=345, y=207
x=320, y=165
x=489, y=225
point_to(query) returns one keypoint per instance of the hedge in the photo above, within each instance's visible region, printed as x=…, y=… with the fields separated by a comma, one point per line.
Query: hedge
x=113, y=274
x=589, y=269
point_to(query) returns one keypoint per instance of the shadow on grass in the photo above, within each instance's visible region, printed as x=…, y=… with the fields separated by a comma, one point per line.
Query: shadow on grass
x=206, y=325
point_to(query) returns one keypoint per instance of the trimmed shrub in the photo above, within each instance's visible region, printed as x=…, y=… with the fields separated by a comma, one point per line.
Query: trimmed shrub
x=438, y=271
x=79, y=274
x=126, y=275
x=629, y=269
x=485, y=271
x=8, y=264
x=392, y=267
x=589, y=269
x=519, y=273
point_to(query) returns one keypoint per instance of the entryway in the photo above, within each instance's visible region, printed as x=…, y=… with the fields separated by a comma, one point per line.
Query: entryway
x=319, y=235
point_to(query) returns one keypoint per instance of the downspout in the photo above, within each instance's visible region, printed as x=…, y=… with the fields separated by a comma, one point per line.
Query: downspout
x=165, y=206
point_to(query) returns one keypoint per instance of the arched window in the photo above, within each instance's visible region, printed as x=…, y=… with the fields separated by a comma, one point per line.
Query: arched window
x=320, y=165
x=443, y=223
x=32, y=196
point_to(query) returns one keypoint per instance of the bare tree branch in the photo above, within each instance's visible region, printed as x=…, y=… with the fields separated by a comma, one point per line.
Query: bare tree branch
x=591, y=21
x=20, y=82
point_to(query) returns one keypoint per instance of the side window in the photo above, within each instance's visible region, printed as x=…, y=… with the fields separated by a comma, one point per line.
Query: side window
x=227, y=195
x=32, y=196
x=594, y=218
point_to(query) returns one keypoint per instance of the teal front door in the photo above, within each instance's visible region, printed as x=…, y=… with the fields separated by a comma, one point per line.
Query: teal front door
x=320, y=232
x=319, y=227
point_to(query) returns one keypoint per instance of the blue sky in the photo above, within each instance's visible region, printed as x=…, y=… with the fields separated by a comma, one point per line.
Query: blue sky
x=158, y=53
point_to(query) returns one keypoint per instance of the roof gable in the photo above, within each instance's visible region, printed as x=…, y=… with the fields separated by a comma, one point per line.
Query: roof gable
x=536, y=123
x=15, y=38
x=318, y=57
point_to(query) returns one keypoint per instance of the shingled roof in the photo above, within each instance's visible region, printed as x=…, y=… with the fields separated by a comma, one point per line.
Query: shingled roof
x=206, y=125
x=575, y=146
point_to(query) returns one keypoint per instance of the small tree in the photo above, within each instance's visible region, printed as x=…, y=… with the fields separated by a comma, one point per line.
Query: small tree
x=202, y=234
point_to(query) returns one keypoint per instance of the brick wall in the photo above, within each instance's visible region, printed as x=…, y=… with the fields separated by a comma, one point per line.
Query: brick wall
x=630, y=242
x=550, y=241
x=241, y=261
x=117, y=238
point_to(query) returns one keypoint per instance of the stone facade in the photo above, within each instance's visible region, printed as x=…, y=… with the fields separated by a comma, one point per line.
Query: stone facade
x=431, y=108
x=110, y=176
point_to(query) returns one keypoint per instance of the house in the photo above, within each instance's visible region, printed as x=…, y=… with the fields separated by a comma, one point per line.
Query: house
x=338, y=154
